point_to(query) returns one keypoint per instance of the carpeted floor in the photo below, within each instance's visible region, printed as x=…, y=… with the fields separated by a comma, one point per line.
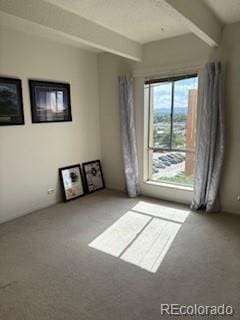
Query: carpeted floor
x=49, y=271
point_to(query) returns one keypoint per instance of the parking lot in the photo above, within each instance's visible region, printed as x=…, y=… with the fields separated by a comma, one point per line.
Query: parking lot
x=169, y=171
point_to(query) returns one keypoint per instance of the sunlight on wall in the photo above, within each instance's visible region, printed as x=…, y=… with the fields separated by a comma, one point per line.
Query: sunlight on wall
x=143, y=235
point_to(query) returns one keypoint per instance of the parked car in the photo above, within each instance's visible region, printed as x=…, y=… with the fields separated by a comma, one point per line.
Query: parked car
x=175, y=157
x=170, y=155
x=163, y=157
x=164, y=160
x=180, y=155
x=172, y=159
x=179, y=159
x=154, y=170
x=158, y=164
x=162, y=166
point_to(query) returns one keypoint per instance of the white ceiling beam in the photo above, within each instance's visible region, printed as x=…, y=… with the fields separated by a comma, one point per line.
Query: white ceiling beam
x=72, y=26
x=198, y=18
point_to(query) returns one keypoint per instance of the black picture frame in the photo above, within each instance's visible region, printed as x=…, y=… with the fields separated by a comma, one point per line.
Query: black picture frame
x=68, y=180
x=11, y=102
x=50, y=101
x=93, y=182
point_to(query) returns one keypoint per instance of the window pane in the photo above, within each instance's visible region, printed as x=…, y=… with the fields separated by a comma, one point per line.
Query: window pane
x=161, y=99
x=185, y=113
x=173, y=167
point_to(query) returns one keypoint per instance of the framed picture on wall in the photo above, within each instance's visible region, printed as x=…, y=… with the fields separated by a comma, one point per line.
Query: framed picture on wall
x=11, y=102
x=72, y=182
x=93, y=175
x=50, y=101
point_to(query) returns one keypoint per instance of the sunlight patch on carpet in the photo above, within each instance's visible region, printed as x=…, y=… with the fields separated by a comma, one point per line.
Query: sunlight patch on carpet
x=143, y=236
x=152, y=244
x=159, y=211
x=120, y=234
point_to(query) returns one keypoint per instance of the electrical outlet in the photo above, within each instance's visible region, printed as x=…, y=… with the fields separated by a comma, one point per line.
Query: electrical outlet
x=50, y=191
x=238, y=198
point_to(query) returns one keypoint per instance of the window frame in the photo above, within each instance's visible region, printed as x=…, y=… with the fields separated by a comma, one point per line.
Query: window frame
x=150, y=147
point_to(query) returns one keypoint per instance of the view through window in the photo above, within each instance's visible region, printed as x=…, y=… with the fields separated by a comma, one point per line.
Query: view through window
x=172, y=128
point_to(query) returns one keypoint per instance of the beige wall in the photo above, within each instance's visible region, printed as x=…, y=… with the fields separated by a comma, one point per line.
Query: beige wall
x=172, y=55
x=162, y=57
x=230, y=52
x=30, y=155
x=176, y=55
x=110, y=67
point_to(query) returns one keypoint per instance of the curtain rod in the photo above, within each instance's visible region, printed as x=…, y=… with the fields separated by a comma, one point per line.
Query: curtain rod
x=169, y=79
x=171, y=71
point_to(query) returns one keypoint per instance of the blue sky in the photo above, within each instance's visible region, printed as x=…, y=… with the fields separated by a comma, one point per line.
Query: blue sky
x=162, y=93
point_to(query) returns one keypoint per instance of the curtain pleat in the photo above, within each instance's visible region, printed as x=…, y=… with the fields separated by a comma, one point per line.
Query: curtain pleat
x=210, y=144
x=128, y=135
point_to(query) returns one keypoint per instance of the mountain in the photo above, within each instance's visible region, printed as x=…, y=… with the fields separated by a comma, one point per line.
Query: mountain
x=167, y=110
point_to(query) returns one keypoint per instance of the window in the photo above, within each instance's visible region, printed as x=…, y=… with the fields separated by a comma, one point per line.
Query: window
x=172, y=107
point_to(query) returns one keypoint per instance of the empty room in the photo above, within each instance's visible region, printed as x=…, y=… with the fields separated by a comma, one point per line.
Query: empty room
x=119, y=159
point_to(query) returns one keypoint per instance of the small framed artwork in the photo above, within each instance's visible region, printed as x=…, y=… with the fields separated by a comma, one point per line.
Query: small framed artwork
x=11, y=103
x=72, y=182
x=93, y=175
x=50, y=101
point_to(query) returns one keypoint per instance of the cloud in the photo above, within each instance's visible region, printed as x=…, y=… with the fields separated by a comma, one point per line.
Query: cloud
x=162, y=93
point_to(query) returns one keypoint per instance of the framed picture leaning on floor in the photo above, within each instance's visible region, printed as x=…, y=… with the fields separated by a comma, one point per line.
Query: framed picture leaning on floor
x=93, y=176
x=72, y=182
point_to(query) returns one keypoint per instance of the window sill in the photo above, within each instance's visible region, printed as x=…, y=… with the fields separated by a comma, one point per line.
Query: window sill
x=168, y=185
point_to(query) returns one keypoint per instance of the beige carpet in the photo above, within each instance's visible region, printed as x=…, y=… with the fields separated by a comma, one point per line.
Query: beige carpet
x=107, y=257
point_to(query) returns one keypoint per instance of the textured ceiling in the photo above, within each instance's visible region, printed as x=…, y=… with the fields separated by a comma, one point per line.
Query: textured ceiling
x=139, y=20
x=15, y=23
x=228, y=11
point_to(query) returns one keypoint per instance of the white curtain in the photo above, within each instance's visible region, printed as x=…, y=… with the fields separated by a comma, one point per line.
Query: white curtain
x=210, y=144
x=128, y=135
